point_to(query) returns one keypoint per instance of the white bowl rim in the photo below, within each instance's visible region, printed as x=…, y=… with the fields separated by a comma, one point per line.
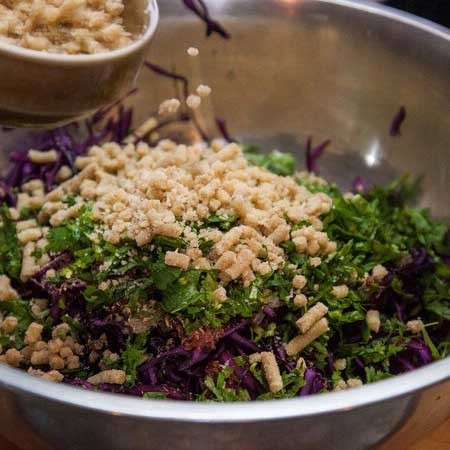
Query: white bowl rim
x=196, y=412
x=95, y=58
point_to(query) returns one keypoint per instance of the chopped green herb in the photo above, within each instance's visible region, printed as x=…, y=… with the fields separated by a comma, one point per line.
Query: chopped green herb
x=10, y=254
x=133, y=356
x=277, y=162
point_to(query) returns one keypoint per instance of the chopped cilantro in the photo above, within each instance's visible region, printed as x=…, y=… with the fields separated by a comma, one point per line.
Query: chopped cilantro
x=185, y=291
x=28, y=213
x=133, y=356
x=166, y=243
x=222, y=222
x=74, y=234
x=10, y=254
x=21, y=310
x=218, y=390
x=292, y=383
x=155, y=396
x=70, y=200
x=205, y=246
x=277, y=162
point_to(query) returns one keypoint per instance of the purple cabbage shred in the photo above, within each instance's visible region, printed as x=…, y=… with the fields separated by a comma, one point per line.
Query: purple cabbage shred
x=185, y=370
x=313, y=154
x=244, y=377
x=171, y=75
x=170, y=392
x=387, y=300
x=223, y=128
x=397, y=122
x=314, y=383
x=244, y=343
x=330, y=362
x=269, y=312
x=199, y=8
x=416, y=354
x=68, y=145
x=359, y=185
x=114, y=331
x=39, y=286
x=279, y=351
x=79, y=383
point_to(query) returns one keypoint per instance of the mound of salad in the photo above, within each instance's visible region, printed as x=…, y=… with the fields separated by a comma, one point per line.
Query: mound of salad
x=211, y=271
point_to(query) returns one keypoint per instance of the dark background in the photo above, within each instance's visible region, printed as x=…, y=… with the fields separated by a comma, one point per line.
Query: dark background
x=436, y=10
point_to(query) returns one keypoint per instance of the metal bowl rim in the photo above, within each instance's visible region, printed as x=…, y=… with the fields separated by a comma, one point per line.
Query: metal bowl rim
x=333, y=402
x=182, y=411
x=392, y=13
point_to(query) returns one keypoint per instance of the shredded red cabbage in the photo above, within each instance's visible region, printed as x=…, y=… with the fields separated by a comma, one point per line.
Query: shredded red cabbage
x=170, y=392
x=116, y=332
x=185, y=88
x=138, y=390
x=330, y=362
x=387, y=300
x=244, y=343
x=58, y=262
x=171, y=75
x=79, y=383
x=199, y=8
x=39, y=286
x=185, y=369
x=269, y=312
x=314, y=383
x=445, y=253
x=68, y=147
x=277, y=347
x=244, y=377
x=397, y=122
x=222, y=127
x=313, y=154
x=417, y=354
x=358, y=185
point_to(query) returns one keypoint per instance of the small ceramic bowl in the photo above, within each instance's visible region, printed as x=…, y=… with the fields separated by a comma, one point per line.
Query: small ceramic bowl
x=44, y=89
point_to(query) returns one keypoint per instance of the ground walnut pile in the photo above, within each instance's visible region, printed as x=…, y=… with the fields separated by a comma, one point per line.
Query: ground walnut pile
x=64, y=26
x=142, y=192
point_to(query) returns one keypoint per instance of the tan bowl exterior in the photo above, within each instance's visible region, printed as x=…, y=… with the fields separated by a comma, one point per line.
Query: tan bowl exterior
x=42, y=89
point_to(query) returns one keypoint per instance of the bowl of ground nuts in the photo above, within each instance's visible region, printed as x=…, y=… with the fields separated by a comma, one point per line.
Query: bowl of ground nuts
x=61, y=60
x=250, y=250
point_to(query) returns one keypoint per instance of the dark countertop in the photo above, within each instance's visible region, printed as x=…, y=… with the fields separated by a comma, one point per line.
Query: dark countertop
x=436, y=10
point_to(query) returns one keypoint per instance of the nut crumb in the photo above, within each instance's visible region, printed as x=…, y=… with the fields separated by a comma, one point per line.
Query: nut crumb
x=193, y=51
x=271, y=371
x=204, y=91
x=193, y=101
x=169, y=107
x=70, y=26
x=415, y=326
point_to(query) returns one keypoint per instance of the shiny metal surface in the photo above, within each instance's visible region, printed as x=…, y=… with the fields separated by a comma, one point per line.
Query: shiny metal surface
x=332, y=69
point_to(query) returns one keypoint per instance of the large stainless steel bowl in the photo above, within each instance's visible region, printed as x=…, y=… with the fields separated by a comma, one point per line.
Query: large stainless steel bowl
x=337, y=69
